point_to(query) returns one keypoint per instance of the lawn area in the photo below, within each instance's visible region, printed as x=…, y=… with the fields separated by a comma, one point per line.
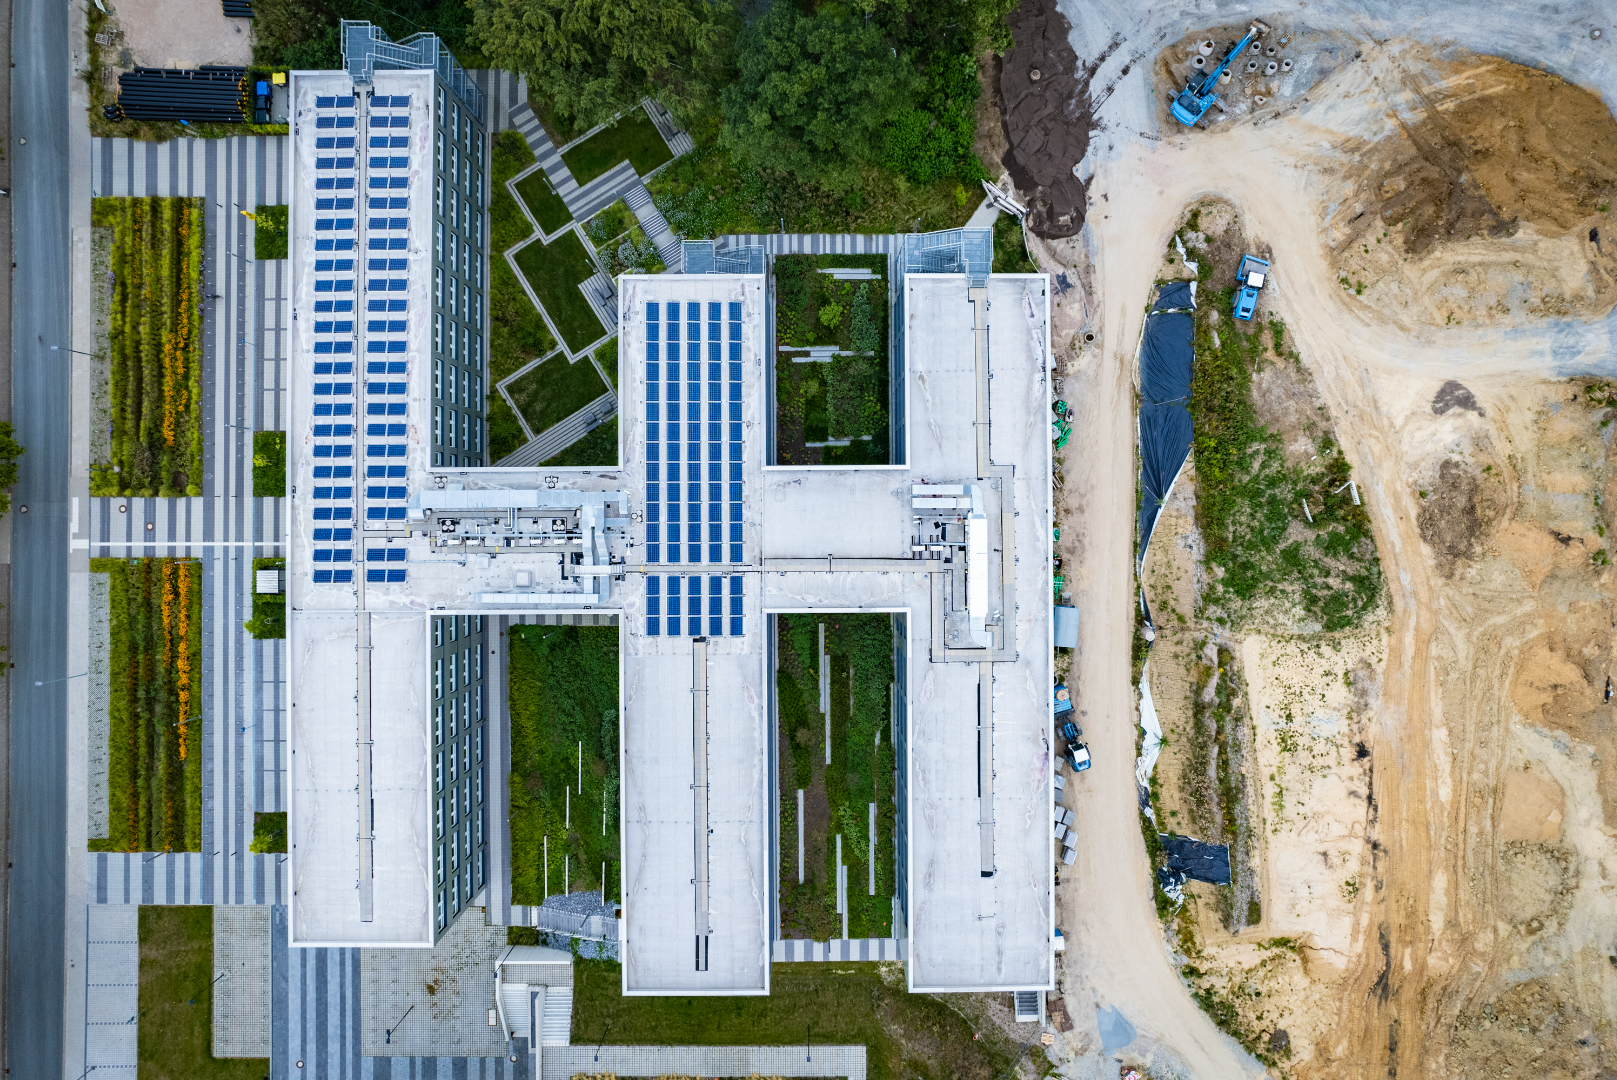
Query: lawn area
x=555, y=390
x=176, y=1000
x=837, y=797
x=269, y=609
x=905, y=1035
x=555, y=271
x=155, y=340
x=607, y=357
x=517, y=332
x=269, y=232
x=542, y=201
x=634, y=138
x=269, y=832
x=844, y=399
x=598, y=448
x=154, y=766
x=563, y=684
x=269, y=464
x=504, y=433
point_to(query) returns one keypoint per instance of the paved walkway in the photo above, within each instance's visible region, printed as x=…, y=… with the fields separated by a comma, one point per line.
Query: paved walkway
x=565, y=1062
x=787, y=950
x=244, y=386
x=559, y=436
x=186, y=877
x=816, y=243
x=112, y=991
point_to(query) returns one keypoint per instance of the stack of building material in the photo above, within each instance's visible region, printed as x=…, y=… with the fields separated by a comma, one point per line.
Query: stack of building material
x=238, y=9
x=215, y=95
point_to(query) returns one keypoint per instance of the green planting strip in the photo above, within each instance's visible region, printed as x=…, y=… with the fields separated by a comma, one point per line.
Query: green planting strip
x=555, y=271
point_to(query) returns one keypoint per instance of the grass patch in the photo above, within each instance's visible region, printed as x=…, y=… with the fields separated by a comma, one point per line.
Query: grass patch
x=905, y=1035
x=269, y=833
x=269, y=464
x=633, y=138
x=1010, y=247
x=845, y=399
x=154, y=766
x=269, y=232
x=607, y=358
x=1262, y=550
x=175, y=1041
x=836, y=797
x=550, y=393
x=539, y=195
x=554, y=271
x=507, y=224
x=504, y=432
x=517, y=332
x=598, y=448
x=269, y=609
x=155, y=339
x=563, y=683
x=704, y=194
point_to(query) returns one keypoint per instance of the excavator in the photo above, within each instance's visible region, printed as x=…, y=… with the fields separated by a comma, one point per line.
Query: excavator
x=1196, y=98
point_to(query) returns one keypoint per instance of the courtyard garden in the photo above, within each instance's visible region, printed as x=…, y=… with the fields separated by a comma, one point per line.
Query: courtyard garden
x=549, y=393
x=154, y=708
x=155, y=341
x=632, y=138
x=858, y=659
x=554, y=272
x=622, y=244
x=563, y=688
x=539, y=195
x=517, y=332
x=831, y=409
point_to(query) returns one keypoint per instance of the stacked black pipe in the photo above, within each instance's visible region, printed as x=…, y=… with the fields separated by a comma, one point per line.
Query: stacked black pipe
x=238, y=9
x=209, y=95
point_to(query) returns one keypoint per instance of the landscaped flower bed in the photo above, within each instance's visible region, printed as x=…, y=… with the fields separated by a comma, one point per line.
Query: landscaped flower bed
x=622, y=244
x=836, y=797
x=154, y=762
x=831, y=410
x=155, y=340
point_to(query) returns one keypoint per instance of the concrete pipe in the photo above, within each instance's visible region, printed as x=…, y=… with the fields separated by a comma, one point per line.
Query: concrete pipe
x=1252, y=65
x=1207, y=47
x=1198, y=61
x=1270, y=68
x=1257, y=47
x=1594, y=35
x=1285, y=65
x=1034, y=74
x=1259, y=99
x=1270, y=51
x=1089, y=339
x=1226, y=77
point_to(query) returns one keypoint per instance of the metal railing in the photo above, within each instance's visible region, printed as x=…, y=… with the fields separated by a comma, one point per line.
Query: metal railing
x=365, y=48
x=591, y=927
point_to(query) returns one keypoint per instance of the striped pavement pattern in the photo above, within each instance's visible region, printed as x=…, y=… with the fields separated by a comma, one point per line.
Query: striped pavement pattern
x=182, y=877
x=112, y=991
x=503, y=90
x=788, y=950
x=565, y=1062
x=315, y=1023
x=244, y=383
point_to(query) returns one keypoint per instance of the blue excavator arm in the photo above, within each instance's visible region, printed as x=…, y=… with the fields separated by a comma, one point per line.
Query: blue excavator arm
x=1194, y=101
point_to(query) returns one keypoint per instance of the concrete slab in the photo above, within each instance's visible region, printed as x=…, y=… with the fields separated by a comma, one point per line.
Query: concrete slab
x=442, y=994
x=241, y=991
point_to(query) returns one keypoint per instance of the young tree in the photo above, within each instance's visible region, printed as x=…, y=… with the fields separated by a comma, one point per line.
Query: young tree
x=591, y=59
x=10, y=451
x=815, y=94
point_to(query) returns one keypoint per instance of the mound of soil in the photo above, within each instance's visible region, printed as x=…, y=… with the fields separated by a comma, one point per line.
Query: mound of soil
x=1493, y=145
x=1045, y=97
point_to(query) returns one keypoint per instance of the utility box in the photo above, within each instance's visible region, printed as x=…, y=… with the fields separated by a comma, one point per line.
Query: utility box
x=267, y=581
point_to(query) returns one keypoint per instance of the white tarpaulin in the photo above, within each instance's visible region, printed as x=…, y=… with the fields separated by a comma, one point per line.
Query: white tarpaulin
x=1152, y=745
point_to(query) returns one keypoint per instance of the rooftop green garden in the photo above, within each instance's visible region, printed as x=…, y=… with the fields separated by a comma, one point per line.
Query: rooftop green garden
x=554, y=390
x=554, y=272
x=831, y=406
x=543, y=203
x=632, y=138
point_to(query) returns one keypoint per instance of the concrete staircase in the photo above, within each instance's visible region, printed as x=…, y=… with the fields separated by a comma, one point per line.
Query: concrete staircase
x=558, y=437
x=556, y=1027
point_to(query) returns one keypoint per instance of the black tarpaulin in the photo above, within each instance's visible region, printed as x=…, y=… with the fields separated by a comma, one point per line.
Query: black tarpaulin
x=1175, y=294
x=1165, y=427
x=1204, y=862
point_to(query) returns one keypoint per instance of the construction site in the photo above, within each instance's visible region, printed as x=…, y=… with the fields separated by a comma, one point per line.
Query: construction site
x=1373, y=623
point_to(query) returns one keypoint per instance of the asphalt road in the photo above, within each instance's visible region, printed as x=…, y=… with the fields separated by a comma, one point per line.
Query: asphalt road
x=35, y=915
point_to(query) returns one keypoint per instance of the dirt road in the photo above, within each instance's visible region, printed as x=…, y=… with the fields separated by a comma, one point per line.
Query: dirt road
x=1377, y=375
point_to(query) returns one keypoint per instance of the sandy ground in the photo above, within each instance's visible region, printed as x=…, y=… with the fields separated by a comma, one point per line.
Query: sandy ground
x=179, y=34
x=1460, y=922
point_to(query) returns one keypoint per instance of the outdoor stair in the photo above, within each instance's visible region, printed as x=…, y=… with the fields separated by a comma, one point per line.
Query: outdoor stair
x=602, y=294
x=1027, y=1006
x=557, y=1026
x=559, y=436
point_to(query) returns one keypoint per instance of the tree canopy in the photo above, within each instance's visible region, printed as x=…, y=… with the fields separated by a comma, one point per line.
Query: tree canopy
x=815, y=94
x=592, y=59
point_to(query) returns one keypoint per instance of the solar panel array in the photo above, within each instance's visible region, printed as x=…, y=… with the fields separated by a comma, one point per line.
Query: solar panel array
x=680, y=609
x=333, y=505
x=383, y=384
x=693, y=447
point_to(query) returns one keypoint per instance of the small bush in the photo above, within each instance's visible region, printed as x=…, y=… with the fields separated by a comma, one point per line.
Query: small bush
x=269, y=232
x=269, y=833
x=521, y=935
